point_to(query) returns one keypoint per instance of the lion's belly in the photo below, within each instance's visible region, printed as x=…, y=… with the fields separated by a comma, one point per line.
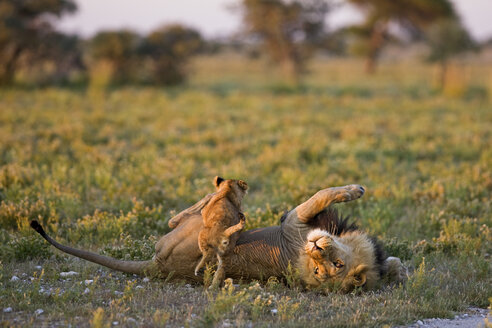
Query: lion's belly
x=177, y=252
x=258, y=254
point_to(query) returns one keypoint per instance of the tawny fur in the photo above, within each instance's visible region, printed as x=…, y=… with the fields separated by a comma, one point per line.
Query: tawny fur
x=223, y=221
x=340, y=262
x=259, y=253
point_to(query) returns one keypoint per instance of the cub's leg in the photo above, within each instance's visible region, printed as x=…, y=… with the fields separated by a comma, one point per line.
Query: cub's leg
x=219, y=275
x=206, y=257
x=207, y=251
x=235, y=228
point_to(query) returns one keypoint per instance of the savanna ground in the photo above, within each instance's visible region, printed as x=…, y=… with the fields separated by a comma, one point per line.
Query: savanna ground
x=106, y=171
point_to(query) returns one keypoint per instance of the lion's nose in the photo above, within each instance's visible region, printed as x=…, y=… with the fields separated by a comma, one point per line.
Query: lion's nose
x=316, y=247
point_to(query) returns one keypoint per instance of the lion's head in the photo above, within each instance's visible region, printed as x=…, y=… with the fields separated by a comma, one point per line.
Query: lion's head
x=340, y=262
x=338, y=256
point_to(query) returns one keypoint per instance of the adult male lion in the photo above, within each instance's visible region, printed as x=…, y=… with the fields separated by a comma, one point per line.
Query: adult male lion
x=259, y=253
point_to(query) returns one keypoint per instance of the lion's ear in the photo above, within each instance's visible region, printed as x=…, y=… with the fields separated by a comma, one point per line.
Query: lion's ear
x=243, y=185
x=217, y=181
x=359, y=276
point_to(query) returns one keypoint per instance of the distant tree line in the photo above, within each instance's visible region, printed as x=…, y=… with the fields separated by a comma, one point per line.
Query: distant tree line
x=30, y=45
x=288, y=31
x=159, y=57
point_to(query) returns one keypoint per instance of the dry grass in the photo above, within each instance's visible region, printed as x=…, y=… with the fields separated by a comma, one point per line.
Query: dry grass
x=105, y=174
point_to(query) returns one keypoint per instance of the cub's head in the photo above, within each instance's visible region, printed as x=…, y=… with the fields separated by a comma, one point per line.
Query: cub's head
x=234, y=188
x=341, y=262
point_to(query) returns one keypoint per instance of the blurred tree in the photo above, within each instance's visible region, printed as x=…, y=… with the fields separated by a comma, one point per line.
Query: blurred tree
x=447, y=39
x=56, y=58
x=23, y=26
x=119, y=52
x=169, y=49
x=288, y=30
x=412, y=16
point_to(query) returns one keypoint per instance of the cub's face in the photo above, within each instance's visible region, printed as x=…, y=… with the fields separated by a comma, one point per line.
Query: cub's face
x=223, y=244
x=238, y=188
x=338, y=262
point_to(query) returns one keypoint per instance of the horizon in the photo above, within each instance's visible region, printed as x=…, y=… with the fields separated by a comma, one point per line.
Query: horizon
x=217, y=19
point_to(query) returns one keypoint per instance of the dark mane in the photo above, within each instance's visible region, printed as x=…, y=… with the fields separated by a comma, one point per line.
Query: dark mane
x=380, y=254
x=330, y=220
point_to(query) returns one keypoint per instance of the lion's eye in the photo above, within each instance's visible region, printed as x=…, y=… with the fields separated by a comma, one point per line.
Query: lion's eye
x=316, y=270
x=338, y=265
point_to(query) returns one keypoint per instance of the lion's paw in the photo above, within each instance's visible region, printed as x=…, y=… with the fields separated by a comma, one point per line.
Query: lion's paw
x=350, y=192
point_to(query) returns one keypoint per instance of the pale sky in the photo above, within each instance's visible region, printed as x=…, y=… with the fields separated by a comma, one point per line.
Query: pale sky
x=215, y=18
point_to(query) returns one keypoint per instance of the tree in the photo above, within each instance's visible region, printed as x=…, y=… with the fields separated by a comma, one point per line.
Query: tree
x=169, y=49
x=119, y=50
x=447, y=39
x=55, y=59
x=23, y=26
x=412, y=16
x=287, y=30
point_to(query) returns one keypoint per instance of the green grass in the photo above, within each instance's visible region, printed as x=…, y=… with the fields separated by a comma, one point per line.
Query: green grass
x=105, y=173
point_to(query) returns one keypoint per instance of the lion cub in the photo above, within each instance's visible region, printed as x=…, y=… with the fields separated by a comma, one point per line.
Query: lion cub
x=222, y=218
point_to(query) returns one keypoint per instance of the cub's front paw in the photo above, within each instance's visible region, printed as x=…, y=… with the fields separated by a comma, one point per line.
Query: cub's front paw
x=242, y=219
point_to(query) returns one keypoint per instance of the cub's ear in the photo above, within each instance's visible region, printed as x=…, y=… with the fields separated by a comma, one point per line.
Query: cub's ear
x=242, y=184
x=217, y=181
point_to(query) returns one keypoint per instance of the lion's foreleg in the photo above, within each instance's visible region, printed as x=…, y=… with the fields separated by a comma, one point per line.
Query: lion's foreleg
x=324, y=198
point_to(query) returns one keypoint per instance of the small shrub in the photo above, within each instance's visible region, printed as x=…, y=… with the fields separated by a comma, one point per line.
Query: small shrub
x=160, y=318
x=292, y=277
x=17, y=215
x=99, y=320
x=420, y=285
x=132, y=249
x=227, y=300
x=287, y=308
x=458, y=237
x=398, y=248
x=24, y=248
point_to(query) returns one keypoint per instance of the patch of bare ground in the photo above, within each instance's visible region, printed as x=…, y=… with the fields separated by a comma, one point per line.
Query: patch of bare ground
x=475, y=317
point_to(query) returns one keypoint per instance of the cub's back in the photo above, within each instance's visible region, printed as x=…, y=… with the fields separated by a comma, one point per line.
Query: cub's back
x=220, y=211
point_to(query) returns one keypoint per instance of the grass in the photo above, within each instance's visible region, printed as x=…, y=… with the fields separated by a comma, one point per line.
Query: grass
x=105, y=173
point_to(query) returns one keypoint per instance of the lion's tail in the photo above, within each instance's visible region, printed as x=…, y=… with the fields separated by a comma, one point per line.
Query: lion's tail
x=143, y=268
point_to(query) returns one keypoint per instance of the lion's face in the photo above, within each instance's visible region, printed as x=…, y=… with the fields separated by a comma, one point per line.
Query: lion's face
x=338, y=262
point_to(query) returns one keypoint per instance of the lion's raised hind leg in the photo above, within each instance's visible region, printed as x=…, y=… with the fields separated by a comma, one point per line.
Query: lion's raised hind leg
x=324, y=198
x=197, y=207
